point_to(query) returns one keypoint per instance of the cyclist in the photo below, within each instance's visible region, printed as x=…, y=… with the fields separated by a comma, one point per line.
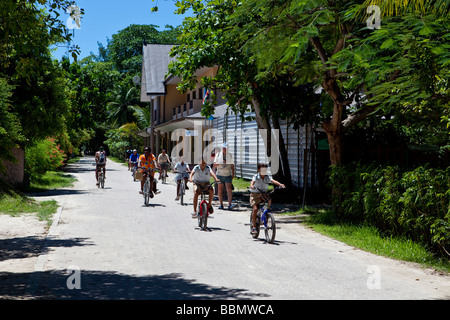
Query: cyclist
x=260, y=181
x=148, y=164
x=201, y=174
x=182, y=172
x=163, y=162
x=100, y=161
x=133, y=159
x=127, y=157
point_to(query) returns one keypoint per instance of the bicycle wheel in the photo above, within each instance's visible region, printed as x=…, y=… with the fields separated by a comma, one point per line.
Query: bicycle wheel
x=163, y=176
x=204, y=216
x=269, y=227
x=257, y=226
x=147, y=192
x=182, y=188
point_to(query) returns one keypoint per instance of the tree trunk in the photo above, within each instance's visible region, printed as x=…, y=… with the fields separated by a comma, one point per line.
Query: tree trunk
x=335, y=141
x=283, y=175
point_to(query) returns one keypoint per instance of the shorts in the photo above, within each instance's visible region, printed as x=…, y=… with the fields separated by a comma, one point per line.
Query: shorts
x=179, y=176
x=100, y=166
x=198, y=190
x=164, y=165
x=225, y=179
x=255, y=198
x=152, y=173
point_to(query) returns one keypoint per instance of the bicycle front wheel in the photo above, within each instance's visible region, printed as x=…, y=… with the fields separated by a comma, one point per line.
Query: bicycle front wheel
x=204, y=216
x=182, y=188
x=147, y=192
x=163, y=176
x=270, y=227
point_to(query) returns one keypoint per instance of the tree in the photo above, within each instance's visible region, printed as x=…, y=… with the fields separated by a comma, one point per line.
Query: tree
x=125, y=47
x=120, y=110
x=207, y=40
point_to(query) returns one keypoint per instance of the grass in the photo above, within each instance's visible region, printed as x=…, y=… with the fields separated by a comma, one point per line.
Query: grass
x=369, y=239
x=15, y=204
x=51, y=180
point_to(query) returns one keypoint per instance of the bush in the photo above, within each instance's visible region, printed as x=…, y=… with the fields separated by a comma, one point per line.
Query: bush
x=413, y=204
x=43, y=156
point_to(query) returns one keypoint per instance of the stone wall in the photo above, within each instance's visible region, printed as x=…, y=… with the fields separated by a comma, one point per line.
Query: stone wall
x=15, y=170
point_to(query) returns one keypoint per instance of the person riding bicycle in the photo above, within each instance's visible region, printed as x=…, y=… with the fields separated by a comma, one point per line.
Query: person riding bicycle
x=148, y=164
x=127, y=157
x=201, y=174
x=163, y=162
x=133, y=159
x=100, y=161
x=182, y=172
x=260, y=182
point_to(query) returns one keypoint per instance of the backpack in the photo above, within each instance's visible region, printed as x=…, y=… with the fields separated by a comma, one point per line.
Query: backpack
x=102, y=158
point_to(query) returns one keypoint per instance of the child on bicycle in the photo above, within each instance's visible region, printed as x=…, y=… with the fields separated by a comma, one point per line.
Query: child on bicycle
x=201, y=174
x=260, y=182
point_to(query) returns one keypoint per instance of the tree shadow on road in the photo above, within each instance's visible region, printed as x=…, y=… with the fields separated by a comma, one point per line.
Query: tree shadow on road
x=97, y=285
x=33, y=246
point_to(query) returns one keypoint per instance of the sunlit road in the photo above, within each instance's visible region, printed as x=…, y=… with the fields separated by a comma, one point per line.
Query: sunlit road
x=105, y=244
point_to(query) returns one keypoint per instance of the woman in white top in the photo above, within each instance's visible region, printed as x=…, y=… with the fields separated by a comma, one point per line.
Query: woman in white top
x=223, y=163
x=201, y=174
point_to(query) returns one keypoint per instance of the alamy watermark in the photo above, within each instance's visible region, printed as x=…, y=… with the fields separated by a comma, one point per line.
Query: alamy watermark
x=74, y=279
x=374, y=280
x=373, y=21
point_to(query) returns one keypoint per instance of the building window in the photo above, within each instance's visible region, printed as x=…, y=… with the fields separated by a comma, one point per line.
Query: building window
x=188, y=97
x=194, y=94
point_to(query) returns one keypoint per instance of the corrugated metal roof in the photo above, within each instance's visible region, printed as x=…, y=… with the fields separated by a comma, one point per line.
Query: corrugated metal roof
x=155, y=62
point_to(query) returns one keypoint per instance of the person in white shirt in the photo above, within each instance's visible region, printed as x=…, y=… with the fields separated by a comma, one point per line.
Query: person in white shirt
x=163, y=162
x=201, y=174
x=258, y=186
x=223, y=163
x=182, y=172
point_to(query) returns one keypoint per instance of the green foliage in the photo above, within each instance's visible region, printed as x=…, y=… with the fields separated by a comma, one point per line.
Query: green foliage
x=125, y=47
x=413, y=204
x=10, y=129
x=43, y=156
x=121, y=138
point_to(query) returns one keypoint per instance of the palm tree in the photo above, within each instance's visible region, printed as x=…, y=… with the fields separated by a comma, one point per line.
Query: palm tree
x=143, y=115
x=120, y=111
x=391, y=8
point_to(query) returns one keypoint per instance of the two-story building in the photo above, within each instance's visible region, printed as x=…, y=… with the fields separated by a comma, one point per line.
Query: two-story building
x=179, y=128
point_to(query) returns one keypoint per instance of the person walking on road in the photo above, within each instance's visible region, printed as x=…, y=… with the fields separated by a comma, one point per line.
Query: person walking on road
x=224, y=165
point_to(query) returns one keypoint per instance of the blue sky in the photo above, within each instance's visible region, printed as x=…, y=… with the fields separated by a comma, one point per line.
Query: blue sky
x=103, y=18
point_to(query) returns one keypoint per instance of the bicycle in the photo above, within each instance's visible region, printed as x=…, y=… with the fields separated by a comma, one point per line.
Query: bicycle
x=101, y=178
x=134, y=166
x=147, y=187
x=182, y=189
x=163, y=175
x=203, y=205
x=264, y=218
